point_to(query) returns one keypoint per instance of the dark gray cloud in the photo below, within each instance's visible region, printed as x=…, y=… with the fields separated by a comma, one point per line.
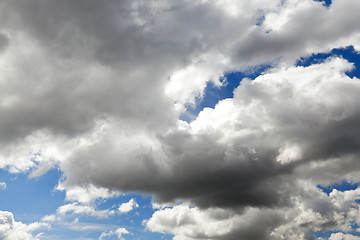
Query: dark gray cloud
x=4, y=42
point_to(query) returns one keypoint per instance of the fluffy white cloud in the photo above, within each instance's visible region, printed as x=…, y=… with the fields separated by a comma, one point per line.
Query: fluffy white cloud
x=187, y=222
x=128, y=206
x=118, y=232
x=3, y=186
x=342, y=236
x=12, y=230
x=85, y=194
x=306, y=215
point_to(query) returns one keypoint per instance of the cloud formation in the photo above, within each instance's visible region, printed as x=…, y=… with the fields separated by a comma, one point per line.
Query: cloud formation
x=118, y=232
x=97, y=90
x=76, y=208
x=128, y=206
x=12, y=230
x=336, y=212
x=252, y=144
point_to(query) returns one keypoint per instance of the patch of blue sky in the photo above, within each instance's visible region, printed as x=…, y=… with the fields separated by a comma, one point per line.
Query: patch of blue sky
x=260, y=20
x=133, y=221
x=327, y=234
x=213, y=93
x=342, y=186
x=91, y=227
x=326, y=3
x=30, y=199
x=348, y=53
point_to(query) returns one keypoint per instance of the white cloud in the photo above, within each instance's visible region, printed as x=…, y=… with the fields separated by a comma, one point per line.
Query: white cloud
x=50, y=218
x=187, y=222
x=342, y=236
x=12, y=230
x=76, y=208
x=118, y=232
x=3, y=186
x=86, y=194
x=336, y=212
x=128, y=206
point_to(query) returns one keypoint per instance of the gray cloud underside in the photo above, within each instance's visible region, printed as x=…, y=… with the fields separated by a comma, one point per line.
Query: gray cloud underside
x=83, y=86
x=277, y=128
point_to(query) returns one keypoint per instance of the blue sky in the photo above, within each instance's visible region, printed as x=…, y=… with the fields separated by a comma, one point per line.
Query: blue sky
x=32, y=199
x=184, y=120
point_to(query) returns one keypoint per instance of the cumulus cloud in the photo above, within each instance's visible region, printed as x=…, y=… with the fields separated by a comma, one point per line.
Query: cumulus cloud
x=128, y=206
x=89, y=70
x=342, y=236
x=187, y=222
x=85, y=194
x=336, y=212
x=3, y=186
x=97, y=90
x=13, y=230
x=280, y=134
x=118, y=232
x=251, y=144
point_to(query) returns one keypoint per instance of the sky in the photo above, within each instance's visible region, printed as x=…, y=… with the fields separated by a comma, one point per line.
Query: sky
x=179, y=120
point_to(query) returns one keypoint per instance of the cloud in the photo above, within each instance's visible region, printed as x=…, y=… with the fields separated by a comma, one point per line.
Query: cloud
x=128, y=206
x=4, y=42
x=12, y=230
x=102, y=102
x=3, y=186
x=76, y=208
x=342, y=236
x=187, y=222
x=246, y=144
x=118, y=232
x=49, y=218
x=85, y=194
x=89, y=70
x=280, y=133
x=336, y=212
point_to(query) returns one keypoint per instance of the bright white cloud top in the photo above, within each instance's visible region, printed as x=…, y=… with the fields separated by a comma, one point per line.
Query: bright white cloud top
x=98, y=91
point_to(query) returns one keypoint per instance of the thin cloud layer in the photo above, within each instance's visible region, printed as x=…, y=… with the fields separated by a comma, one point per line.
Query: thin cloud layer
x=96, y=89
